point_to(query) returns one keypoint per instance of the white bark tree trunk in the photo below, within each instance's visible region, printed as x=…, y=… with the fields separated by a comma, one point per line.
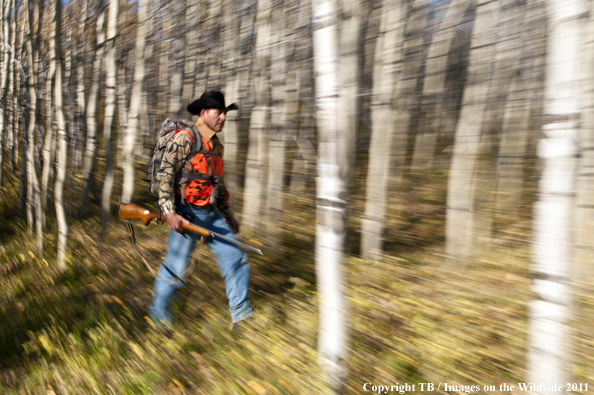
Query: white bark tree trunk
x=176, y=58
x=91, y=140
x=462, y=178
x=110, y=107
x=583, y=213
x=48, y=146
x=33, y=188
x=439, y=112
x=13, y=93
x=230, y=135
x=62, y=157
x=330, y=194
x=387, y=69
x=138, y=92
x=80, y=85
x=257, y=155
x=278, y=133
x=349, y=33
x=550, y=313
x=4, y=84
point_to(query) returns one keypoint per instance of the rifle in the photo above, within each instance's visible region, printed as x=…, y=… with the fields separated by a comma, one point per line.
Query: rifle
x=130, y=211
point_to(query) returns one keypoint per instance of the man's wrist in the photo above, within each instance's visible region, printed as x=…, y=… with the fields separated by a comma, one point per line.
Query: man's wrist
x=168, y=208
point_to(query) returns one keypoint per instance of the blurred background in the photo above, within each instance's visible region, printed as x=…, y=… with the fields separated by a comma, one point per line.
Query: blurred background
x=417, y=173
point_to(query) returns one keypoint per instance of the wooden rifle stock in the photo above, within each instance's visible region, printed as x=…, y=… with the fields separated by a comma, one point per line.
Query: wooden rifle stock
x=130, y=211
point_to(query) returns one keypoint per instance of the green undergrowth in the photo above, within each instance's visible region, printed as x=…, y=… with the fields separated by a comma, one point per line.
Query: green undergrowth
x=415, y=316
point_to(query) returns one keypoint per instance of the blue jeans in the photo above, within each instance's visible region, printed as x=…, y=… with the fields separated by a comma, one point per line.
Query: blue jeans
x=231, y=260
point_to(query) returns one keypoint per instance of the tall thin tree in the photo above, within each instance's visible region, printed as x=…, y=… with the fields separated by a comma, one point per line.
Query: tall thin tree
x=62, y=156
x=138, y=92
x=330, y=194
x=387, y=69
x=110, y=107
x=550, y=312
x=91, y=111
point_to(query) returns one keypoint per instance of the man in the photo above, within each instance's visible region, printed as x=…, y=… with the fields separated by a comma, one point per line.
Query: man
x=191, y=190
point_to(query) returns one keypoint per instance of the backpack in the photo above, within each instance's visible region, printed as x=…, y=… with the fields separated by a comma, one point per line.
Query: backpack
x=164, y=135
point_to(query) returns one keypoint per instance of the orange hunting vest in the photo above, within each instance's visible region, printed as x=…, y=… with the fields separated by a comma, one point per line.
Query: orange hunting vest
x=203, y=174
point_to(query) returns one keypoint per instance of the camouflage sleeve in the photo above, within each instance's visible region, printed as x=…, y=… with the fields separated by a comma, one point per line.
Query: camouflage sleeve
x=176, y=154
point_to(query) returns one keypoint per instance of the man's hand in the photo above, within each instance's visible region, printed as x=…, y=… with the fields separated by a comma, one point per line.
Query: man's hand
x=234, y=224
x=174, y=221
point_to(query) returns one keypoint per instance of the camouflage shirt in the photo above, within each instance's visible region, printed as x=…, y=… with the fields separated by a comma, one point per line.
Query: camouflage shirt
x=174, y=158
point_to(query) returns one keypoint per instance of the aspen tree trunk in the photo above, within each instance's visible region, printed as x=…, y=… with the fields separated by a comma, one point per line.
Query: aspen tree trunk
x=48, y=146
x=91, y=140
x=192, y=17
x=70, y=99
x=550, y=312
x=303, y=165
x=33, y=190
x=176, y=58
x=230, y=67
x=509, y=50
x=257, y=156
x=110, y=107
x=512, y=148
x=13, y=93
x=349, y=35
x=211, y=26
x=278, y=134
x=4, y=85
x=24, y=81
x=330, y=194
x=387, y=70
x=122, y=89
x=62, y=157
x=80, y=86
x=439, y=110
x=462, y=178
x=138, y=92
x=521, y=113
x=146, y=116
x=583, y=211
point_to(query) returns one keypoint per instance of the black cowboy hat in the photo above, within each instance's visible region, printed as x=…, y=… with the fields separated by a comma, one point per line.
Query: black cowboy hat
x=210, y=99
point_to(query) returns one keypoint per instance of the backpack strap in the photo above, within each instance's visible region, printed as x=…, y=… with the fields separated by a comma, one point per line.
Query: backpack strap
x=187, y=131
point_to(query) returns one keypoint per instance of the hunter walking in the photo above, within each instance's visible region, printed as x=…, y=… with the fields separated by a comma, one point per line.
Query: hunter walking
x=191, y=190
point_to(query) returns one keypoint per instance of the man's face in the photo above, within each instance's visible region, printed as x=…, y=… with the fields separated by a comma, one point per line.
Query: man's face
x=214, y=118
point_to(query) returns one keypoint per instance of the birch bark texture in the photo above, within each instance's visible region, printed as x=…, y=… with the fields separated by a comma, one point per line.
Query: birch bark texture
x=387, y=68
x=110, y=107
x=462, y=178
x=259, y=134
x=138, y=93
x=6, y=25
x=439, y=112
x=33, y=15
x=62, y=157
x=550, y=312
x=583, y=213
x=330, y=194
x=91, y=114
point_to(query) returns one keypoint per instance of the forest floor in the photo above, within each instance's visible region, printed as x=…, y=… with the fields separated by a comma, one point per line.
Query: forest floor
x=416, y=316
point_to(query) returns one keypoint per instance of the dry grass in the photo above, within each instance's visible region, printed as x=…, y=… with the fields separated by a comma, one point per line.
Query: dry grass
x=415, y=316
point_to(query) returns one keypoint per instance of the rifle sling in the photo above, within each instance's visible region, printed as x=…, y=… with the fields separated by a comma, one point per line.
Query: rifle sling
x=150, y=269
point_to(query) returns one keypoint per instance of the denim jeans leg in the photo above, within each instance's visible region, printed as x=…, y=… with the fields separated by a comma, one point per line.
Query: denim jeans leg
x=235, y=270
x=178, y=251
